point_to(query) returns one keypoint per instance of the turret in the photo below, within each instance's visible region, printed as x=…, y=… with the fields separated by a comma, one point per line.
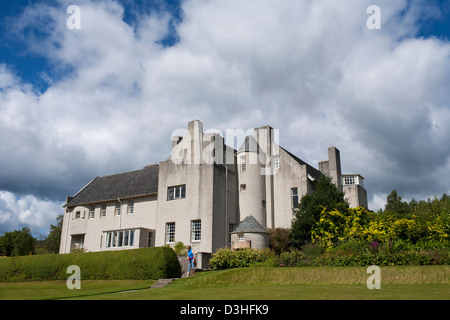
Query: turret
x=252, y=186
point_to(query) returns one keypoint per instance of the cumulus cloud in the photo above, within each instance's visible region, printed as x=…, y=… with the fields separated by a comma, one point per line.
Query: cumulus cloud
x=37, y=214
x=309, y=68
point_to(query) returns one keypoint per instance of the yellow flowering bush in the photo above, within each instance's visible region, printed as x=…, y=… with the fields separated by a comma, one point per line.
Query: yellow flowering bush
x=336, y=226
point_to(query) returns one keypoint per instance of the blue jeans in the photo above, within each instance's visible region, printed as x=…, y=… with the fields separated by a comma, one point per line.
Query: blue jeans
x=191, y=264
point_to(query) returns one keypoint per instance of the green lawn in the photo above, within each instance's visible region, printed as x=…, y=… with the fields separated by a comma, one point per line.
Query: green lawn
x=402, y=282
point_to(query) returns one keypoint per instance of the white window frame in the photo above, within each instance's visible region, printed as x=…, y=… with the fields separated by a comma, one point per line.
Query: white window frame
x=130, y=207
x=170, y=232
x=120, y=238
x=276, y=162
x=118, y=210
x=91, y=212
x=294, y=195
x=243, y=164
x=196, y=230
x=176, y=192
x=103, y=210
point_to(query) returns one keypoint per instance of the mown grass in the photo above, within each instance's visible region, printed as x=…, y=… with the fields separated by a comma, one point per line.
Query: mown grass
x=51, y=290
x=397, y=282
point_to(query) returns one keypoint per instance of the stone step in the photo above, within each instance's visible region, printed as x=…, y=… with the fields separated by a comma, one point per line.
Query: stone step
x=162, y=283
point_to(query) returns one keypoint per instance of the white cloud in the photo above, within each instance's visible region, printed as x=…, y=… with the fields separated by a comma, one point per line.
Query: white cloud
x=37, y=214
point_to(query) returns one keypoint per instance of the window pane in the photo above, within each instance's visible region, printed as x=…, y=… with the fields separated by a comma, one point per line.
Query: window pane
x=170, y=232
x=131, y=206
x=125, y=237
x=196, y=227
x=171, y=194
x=120, y=238
x=114, y=239
x=108, y=239
x=131, y=237
x=294, y=192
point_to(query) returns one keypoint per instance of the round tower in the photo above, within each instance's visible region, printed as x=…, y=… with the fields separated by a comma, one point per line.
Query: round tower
x=252, y=186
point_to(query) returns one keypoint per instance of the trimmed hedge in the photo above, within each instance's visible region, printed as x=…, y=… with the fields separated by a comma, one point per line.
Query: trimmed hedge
x=133, y=264
x=226, y=258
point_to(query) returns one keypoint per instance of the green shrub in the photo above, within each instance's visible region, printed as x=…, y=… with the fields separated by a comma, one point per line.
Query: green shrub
x=179, y=248
x=294, y=258
x=432, y=257
x=226, y=258
x=134, y=264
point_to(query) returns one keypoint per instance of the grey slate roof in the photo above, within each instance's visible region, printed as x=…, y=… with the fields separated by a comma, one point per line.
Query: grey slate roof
x=250, y=224
x=119, y=186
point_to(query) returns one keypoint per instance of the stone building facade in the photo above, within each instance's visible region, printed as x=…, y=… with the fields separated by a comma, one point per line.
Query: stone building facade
x=206, y=194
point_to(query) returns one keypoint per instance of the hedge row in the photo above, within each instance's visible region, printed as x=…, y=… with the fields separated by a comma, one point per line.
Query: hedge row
x=431, y=257
x=226, y=258
x=135, y=264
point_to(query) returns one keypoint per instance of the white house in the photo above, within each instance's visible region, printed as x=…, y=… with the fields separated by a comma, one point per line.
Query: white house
x=199, y=196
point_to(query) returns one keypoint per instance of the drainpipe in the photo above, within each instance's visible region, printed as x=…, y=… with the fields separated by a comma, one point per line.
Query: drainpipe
x=120, y=219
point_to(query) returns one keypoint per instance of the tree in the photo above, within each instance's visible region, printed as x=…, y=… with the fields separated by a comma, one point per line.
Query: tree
x=17, y=243
x=24, y=243
x=52, y=242
x=311, y=205
x=394, y=203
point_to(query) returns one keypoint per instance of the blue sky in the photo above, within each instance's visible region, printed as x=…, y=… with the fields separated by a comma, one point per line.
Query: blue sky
x=29, y=66
x=104, y=99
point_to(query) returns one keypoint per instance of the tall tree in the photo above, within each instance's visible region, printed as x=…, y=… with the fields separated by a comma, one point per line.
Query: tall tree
x=395, y=204
x=51, y=243
x=311, y=205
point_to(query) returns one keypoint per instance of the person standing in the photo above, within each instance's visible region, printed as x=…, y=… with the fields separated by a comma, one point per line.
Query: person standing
x=191, y=258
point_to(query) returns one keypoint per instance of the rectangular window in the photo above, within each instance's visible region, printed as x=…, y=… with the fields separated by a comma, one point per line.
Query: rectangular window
x=77, y=215
x=92, y=212
x=120, y=238
x=126, y=238
x=243, y=187
x=150, y=239
x=118, y=208
x=108, y=239
x=170, y=232
x=276, y=162
x=177, y=192
x=294, y=195
x=103, y=210
x=243, y=164
x=78, y=241
x=131, y=243
x=131, y=207
x=196, y=230
x=241, y=237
